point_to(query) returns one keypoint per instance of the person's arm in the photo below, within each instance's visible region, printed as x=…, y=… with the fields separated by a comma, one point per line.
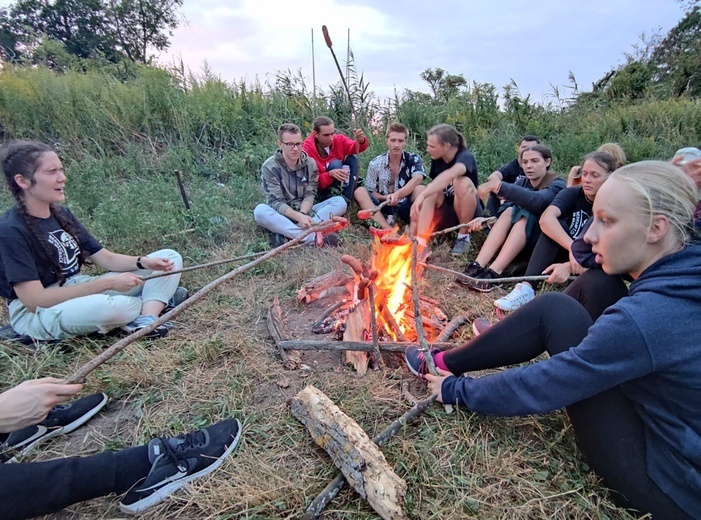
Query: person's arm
x=613, y=352
x=574, y=177
x=372, y=177
x=31, y=401
x=533, y=201
x=408, y=188
x=550, y=225
x=444, y=179
x=118, y=263
x=311, y=187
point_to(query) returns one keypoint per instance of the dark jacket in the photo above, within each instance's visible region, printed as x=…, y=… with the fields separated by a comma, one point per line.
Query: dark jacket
x=288, y=188
x=648, y=344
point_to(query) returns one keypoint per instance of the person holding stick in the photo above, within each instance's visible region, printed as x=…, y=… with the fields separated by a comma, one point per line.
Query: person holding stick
x=451, y=196
x=43, y=247
x=290, y=180
x=395, y=176
x=335, y=156
x=630, y=383
x=32, y=412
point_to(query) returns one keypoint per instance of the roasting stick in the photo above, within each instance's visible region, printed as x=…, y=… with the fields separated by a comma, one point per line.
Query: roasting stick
x=365, y=214
x=81, y=373
x=482, y=221
x=507, y=279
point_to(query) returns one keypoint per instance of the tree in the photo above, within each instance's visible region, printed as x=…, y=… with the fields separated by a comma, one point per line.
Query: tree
x=443, y=85
x=113, y=29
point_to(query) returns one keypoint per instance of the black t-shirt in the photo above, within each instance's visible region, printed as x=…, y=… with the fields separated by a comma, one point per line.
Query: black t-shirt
x=574, y=208
x=23, y=259
x=465, y=157
x=511, y=171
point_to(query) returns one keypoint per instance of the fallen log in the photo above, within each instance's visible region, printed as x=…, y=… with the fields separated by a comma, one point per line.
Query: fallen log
x=332, y=489
x=290, y=358
x=352, y=451
x=322, y=285
x=362, y=346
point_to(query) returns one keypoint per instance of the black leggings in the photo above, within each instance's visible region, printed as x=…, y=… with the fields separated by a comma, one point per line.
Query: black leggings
x=609, y=432
x=39, y=488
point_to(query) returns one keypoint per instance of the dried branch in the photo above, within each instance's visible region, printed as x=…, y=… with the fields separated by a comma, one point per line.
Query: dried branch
x=391, y=322
x=484, y=221
x=373, y=324
x=510, y=279
x=453, y=325
x=290, y=358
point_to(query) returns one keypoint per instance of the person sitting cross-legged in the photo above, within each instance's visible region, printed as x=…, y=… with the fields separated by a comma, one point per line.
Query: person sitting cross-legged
x=394, y=176
x=290, y=180
x=32, y=412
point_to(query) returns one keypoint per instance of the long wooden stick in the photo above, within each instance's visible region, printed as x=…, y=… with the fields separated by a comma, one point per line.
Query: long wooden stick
x=373, y=325
x=159, y=274
x=361, y=346
x=82, y=372
x=486, y=221
x=428, y=357
x=508, y=279
x=332, y=489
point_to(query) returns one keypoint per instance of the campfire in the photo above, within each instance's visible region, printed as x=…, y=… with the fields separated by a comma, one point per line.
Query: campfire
x=374, y=300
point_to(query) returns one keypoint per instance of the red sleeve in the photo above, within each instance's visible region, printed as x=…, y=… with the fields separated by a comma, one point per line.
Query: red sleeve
x=348, y=145
x=325, y=179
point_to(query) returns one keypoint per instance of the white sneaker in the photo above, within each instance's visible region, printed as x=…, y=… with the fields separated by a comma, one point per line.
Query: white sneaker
x=521, y=295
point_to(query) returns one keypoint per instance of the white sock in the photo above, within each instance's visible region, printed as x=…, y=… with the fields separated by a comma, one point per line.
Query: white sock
x=463, y=235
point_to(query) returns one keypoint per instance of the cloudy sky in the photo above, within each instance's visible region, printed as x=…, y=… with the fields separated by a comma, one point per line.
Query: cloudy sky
x=536, y=44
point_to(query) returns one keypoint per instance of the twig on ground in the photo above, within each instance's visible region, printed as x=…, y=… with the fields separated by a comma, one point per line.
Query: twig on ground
x=408, y=396
x=81, y=373
x=453, y=325
x=290, y=358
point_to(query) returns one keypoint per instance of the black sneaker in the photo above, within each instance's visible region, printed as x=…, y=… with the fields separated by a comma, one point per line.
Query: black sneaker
x=62, y=419
x=276, y=239
x=414, y=358
x=179, y=460
x=483, y=284
x=473, y=270
x=181, y=294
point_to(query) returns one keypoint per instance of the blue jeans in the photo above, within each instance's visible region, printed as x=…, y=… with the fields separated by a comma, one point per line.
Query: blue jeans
x=347, y=191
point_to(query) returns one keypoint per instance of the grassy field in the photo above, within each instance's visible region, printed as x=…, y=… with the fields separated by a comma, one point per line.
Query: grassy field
x=121, y=139
x=219, y=362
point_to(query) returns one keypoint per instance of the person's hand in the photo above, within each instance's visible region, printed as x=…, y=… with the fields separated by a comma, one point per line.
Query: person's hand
x=476, y=224
x=31, y=401
x=393, y=199
x=559, y=273
x=435, y=383
x=304, y=221
x=484, y=189
x=359, y=135
x=124, y=282
x=339, y=174
x=575, y=267
x=691, y=168
x=157, y=264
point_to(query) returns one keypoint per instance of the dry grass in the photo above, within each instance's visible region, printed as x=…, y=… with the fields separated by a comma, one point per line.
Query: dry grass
x=219, y=362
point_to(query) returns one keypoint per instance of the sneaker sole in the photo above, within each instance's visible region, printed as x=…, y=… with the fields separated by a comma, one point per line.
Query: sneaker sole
x=62, y=431
x=163, y=493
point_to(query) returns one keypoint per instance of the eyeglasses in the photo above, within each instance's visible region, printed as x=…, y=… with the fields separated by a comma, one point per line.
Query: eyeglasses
x=292, y=146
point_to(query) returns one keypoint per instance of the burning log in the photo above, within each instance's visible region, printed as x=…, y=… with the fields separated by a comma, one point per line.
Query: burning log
x=391, y=322
x=356, y=325
x=322, y=285
x=290, y=358
x=353, y=452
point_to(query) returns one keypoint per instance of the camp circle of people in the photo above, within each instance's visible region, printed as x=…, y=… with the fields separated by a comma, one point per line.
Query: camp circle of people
x=622, y=356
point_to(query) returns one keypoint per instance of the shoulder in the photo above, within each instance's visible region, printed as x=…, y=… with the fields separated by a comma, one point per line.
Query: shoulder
x=11, y=219
x=269, y=162
x=376, y=162
x=465, y=155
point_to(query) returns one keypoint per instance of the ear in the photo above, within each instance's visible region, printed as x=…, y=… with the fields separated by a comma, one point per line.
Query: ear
x=659, y=229
x=22, y=181
x=548, y=162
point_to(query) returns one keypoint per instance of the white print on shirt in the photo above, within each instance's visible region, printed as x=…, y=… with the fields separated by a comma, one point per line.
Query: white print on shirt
x=67, y=249
x=578, y=220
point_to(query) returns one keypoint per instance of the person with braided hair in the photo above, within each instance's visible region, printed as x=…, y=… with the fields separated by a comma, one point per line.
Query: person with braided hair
x=43, y=247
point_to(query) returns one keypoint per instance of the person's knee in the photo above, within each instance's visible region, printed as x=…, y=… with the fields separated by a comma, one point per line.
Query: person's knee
x=361, y=194
x=334, y=165
x=464, y=188
x=260, y=214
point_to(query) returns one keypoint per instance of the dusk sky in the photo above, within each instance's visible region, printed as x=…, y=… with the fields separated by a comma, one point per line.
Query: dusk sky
x=535, y=44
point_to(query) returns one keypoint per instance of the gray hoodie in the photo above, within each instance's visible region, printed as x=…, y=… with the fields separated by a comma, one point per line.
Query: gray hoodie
x=287, y=188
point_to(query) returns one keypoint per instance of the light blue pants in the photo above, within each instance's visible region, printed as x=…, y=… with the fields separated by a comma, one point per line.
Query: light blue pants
x=96, y=312
x=267, y=217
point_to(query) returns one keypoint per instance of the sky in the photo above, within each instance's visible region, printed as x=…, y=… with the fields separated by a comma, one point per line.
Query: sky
x=394, y=41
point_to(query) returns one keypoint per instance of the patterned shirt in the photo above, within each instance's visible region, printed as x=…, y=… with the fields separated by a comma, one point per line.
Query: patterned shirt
x=379, y=176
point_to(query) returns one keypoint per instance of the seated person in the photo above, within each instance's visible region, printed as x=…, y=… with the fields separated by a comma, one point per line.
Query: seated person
x=290, y=181
x=42, y=248
x=147, y=474
x=560, y=224
x=332, y=151
x=574, y=177
x=517, y=228
x=396, y=175
x=630, y=383
x=509, y=172
x=451, y=196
